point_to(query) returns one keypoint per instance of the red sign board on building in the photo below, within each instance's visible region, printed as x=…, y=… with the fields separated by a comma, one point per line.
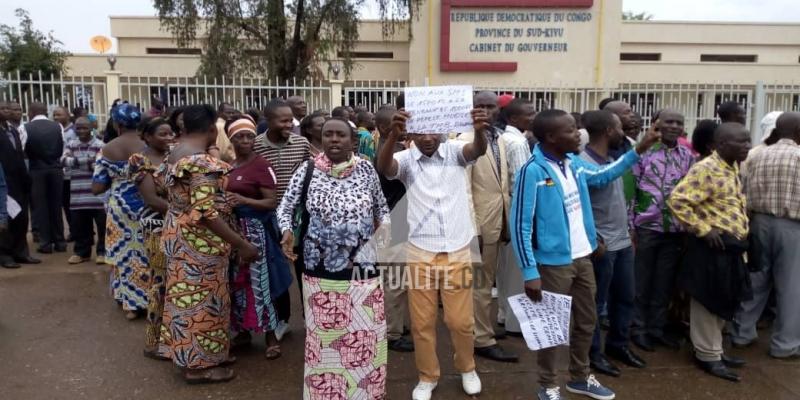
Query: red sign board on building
x=465, y=66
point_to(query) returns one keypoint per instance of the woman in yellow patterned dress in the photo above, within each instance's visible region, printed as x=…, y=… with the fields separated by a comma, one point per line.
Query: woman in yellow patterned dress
x=197, y=241
x=147, y=172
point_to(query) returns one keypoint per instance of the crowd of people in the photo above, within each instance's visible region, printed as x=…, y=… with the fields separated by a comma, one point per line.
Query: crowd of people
x=207, y=217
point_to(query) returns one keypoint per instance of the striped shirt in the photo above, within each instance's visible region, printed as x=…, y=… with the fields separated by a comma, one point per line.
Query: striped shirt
x=79, y=159
x=772, y=180
x=518, y=151
x=439, y=213
x=284, y=158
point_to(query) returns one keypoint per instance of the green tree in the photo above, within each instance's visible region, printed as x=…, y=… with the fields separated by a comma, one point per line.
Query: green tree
x=274, y=38
x=29, y=51
x=631, y=16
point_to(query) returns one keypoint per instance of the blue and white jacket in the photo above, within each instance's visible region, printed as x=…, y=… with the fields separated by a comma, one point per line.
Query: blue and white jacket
x=538, y=222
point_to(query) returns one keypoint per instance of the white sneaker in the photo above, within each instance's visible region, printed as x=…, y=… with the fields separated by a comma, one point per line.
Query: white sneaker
x=281, y=330
x=471, y=383
x=423, y=391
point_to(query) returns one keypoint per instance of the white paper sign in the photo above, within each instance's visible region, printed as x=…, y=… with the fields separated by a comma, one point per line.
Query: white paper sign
x=439, y=109
x=12, y=207
x=544, y=324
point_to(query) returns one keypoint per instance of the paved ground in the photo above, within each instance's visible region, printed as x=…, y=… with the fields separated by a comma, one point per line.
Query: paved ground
x=61, y=337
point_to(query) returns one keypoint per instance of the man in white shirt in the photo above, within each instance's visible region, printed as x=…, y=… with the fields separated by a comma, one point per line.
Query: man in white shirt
x=440, y=230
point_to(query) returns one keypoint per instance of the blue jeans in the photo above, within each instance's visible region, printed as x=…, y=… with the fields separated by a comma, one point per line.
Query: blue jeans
x=615, y=288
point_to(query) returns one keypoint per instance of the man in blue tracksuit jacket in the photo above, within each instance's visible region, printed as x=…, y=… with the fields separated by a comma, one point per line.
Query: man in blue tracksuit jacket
x=553, y=235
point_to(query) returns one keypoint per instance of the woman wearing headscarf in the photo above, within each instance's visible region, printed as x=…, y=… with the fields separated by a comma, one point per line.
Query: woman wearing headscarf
x=147, y=172
x=130, y=275
x=198, y=239
x=345, y=355
x=255, y=285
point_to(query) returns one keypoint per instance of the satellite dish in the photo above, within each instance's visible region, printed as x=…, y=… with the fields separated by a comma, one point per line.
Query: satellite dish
x=100, y=44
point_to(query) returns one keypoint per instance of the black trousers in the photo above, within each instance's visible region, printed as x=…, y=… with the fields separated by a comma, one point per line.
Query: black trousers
x=14, y=242
x=47, y=189
x=65, y=200
x=658, y=257
x=84, y=223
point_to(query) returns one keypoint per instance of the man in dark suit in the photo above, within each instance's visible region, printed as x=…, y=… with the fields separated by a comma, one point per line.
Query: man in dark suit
x=14, y=240
x=44, y=148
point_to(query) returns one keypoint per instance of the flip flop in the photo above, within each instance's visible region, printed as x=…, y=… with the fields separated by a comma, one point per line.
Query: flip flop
x=211, y=375
x=273, y=352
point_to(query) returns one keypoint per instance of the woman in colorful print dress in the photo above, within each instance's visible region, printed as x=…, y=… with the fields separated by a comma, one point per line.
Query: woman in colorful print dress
x=255, y=286
x=147, y=173
x=345, y=356
x=197, y=241
x=130, y=275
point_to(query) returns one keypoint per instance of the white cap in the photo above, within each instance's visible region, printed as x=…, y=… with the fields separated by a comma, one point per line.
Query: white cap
x=768, y=124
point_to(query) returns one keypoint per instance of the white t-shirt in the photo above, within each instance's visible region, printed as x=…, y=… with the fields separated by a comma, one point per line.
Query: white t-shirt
x=579, y=242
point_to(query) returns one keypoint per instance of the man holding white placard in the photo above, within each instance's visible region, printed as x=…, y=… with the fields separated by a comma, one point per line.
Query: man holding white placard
x=440, y=231
x=553, y=235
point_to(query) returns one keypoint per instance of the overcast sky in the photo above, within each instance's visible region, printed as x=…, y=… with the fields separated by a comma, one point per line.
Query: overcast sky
x=74, y=23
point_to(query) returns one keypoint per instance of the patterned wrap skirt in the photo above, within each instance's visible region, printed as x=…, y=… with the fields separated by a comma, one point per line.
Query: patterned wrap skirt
x=130, y=275
x=197, y=303
x=253, y=307
x=346, y=347
x=256, y=286
x=151, y=231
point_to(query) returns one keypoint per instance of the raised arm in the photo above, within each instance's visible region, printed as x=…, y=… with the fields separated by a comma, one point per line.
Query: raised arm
x=602, y=176
x=480, y=123
x=387, y=165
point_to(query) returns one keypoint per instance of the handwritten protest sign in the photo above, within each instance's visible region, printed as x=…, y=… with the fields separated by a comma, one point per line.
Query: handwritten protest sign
x=439, y=109
x=544, y=324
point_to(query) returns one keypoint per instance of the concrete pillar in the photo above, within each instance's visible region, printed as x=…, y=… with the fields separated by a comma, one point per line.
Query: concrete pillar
x=758, y=112
x=336, y=92
x=113, y=90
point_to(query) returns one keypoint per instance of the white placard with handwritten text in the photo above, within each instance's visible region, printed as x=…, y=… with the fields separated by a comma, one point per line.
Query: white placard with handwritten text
x=544, y=324
x=439, y=109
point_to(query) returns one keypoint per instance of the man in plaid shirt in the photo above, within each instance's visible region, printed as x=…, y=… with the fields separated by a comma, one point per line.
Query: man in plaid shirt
x=772, y=185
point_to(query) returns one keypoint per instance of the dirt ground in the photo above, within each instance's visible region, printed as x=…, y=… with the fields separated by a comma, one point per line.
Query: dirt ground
x=62, y=337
